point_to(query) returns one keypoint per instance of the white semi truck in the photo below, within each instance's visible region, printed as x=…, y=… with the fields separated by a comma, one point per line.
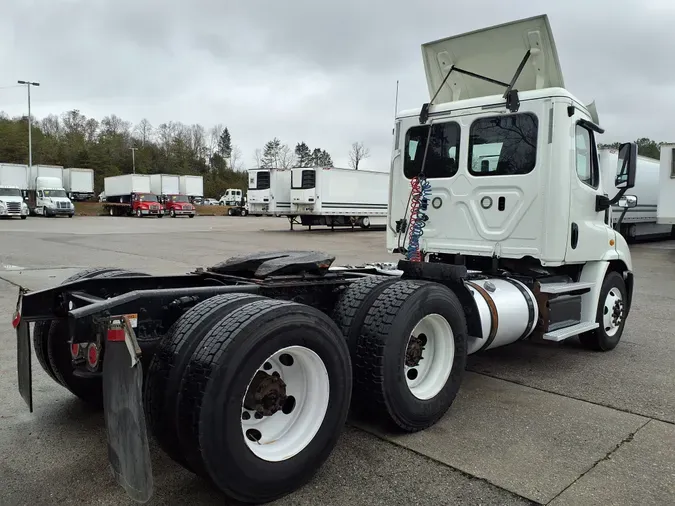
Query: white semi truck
x=269, y=191
x=13, y=188
x=46, y=193
x=665, y=214
x=78, y=183
x=338, y=197
x=246, y=370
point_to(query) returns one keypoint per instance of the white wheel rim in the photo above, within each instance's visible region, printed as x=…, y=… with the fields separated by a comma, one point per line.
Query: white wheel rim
x=426, y=376
x=612, y=311
x=366, y=222
x=287, y=432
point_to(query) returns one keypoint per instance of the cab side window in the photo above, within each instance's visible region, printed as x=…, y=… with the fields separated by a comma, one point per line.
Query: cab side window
x=586, y=157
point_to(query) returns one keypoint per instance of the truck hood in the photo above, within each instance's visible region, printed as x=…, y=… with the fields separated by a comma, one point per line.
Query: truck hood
x=494, y=52
x=10, y=199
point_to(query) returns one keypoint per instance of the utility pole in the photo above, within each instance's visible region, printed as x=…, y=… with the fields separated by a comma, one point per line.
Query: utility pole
x=133, y=159
x=30, y=127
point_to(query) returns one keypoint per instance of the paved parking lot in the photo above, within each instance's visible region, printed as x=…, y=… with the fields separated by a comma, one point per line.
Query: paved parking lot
x=533, y=424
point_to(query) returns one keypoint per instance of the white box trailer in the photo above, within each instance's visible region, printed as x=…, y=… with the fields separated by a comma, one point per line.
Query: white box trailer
x=165, y=184
x=118, y=186
x=665, y=210
x=639, y=221
x=192, y=186
x=36, y=171
x=14, y=174
x=269, y=191
x=338, y=197
x=78, y=183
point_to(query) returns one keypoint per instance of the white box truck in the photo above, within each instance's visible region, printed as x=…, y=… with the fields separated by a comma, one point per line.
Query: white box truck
x=165, y=184
x=131, y=195
x=269, y=192
x=665, y=209
x=78, y=183
x=13, y=189
x=338, y=197
x=640, y=221
x=193, y=187
x=47, y=196
x=52, y=171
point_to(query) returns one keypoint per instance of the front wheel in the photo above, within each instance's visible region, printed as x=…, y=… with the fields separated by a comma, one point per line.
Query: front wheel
x=264, y=399
x=610, y=315
x=172, y=213
x=139, y=213
x=244, y=212
x=230, y=212
x=24, y=217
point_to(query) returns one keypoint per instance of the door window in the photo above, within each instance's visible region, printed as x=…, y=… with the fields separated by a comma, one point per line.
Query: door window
x=586, y=159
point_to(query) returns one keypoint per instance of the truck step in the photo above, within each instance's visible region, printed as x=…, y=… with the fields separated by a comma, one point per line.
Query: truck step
x=557, y=288
x=564, y=333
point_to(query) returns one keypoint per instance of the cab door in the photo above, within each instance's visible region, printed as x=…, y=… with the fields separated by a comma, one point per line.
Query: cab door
x=588, y=234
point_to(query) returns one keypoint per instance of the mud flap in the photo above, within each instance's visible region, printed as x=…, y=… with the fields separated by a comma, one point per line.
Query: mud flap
x=23, y=353
x=128, y=449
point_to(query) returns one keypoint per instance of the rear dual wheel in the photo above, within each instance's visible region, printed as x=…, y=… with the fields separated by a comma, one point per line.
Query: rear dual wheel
x=54, y=351
x=408, y=345
x=254, y=395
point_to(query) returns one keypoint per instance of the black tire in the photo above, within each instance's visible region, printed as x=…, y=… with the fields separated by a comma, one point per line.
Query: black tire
x=41, y=329
x=24, y=217
x=354, y=303
x=172, y=213
x=89, y=390
x=380, y=387
x=191, y=215
x=170, y=361
x=597, y=339
x=217, y=378
x=230, y=212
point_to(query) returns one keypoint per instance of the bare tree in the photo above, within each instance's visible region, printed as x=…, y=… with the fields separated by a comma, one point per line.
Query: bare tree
x=214, y=137
x=236, y=162
x=357, y=154
x=143, y=131
x=258, y=156
x=285, y=157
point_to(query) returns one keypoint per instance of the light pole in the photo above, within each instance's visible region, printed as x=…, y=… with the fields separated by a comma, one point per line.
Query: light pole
x=133, y=159
x=30, y=133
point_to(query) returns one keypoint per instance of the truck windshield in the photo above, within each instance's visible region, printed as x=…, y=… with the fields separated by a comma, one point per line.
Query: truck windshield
x=50, y=194
x=179, y=198
x=147, y=197
x=10, y=192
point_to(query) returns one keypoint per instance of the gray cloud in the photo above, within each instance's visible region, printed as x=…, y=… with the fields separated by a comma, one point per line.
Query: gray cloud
x=322, y=72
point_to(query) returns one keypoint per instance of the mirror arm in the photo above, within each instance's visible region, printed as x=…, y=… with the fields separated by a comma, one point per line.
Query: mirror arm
x=602, y=202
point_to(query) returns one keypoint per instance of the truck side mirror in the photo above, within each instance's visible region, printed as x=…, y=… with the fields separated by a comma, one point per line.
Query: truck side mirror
x=626, y=166
x=627, y=201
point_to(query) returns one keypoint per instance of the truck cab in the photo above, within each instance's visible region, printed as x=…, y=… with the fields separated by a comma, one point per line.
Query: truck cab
x=146, y=204
x=178, y=205
x=50, y=198
x=12, y=202
x=232, y=197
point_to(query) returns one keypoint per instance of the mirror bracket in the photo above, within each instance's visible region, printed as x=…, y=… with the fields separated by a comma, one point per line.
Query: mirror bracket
x=602, y=202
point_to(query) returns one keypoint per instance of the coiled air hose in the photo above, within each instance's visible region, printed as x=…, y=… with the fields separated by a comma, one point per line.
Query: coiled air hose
x=420, y=193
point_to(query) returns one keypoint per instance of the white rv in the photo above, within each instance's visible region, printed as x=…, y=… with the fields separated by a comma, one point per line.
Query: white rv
x=640, y=221
x=665, y=214
x=338, y=197
x=269, y=191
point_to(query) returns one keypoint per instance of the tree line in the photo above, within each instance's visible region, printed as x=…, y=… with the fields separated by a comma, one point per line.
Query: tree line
x=74, y=140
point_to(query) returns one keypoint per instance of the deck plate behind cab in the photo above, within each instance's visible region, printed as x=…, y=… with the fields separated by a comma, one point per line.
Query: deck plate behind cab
x=276, y=263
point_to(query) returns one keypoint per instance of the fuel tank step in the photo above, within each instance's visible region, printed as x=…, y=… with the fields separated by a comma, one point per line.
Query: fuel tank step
x=564, y=333
x=557, y=288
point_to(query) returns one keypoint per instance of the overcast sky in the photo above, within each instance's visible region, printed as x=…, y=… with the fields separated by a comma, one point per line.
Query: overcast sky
x=320, y=72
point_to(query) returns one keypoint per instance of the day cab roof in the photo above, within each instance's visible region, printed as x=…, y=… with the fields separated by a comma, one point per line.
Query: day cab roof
x=496, y=53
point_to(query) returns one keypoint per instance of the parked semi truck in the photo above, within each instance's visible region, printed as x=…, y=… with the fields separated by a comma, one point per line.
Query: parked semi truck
x=338, y=197
x=130, y=195
x=269, y=192
x=245, y=371
x=665, y=214
x=236, y=200
x=78, y=183
x=13, y=188
x=46, y=195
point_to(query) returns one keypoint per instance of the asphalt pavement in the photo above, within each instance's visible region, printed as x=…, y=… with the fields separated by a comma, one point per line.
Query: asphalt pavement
x=532, y=424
